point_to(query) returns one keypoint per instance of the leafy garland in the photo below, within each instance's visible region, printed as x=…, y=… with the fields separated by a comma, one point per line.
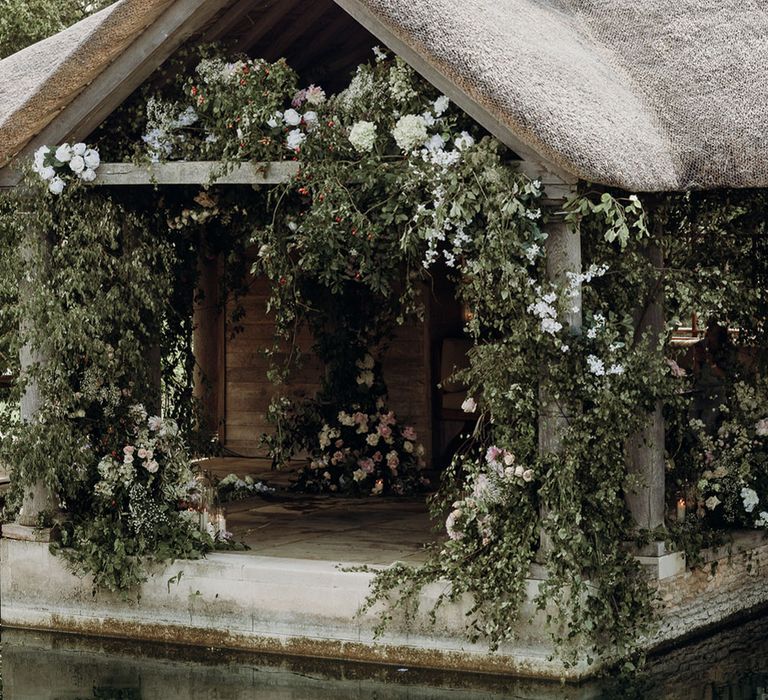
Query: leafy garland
x=394, y=180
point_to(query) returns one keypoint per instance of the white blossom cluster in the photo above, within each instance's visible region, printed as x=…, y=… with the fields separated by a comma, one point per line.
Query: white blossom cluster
x=546, y=312
x=54, y=166
x=163, y=121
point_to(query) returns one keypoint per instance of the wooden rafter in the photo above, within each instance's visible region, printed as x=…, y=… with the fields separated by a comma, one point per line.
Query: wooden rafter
x=265, y=24
x=297, y=29
x=232, y=17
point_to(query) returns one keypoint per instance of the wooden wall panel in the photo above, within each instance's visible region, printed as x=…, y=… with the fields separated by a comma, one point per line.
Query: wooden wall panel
x=248, y=391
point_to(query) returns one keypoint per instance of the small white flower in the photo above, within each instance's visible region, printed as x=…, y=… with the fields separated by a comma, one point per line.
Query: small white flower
x=469, y=405
x=616, y=368
x=596, y=365
x=292, y=117
x=57, y=185
x=63, y=153
x=40, y=155
x=77, y=164
x=712, y=502
x=274, y=121
x=79, y=149
x=528, y=475
x=88, y=175
x=379, y=54
x=47, y=172
x=294, y=139
x=441, y=104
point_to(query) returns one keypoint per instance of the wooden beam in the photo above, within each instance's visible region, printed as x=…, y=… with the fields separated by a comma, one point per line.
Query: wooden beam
x=502, y=132
x=196, y=173
x=116, y=83
x=265, y=24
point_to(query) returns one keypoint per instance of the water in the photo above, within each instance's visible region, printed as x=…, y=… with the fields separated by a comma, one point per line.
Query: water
x=731, y=665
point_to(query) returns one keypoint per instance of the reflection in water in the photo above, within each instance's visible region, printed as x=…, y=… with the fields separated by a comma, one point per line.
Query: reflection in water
x=731, y=665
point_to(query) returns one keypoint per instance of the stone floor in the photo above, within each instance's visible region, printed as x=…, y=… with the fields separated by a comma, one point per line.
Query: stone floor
x=286, y=524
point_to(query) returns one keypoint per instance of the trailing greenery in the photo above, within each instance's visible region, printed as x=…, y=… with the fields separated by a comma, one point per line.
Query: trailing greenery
x=394, y=184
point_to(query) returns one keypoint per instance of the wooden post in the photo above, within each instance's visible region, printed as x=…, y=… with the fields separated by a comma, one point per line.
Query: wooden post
x=563, y=248
x=645, y=450
x=38, y=497
x=205, y=341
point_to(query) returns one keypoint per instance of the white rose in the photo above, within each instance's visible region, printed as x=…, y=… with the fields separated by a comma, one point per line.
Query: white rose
x=56, y=185
x=79, y=149
x=63, y=153
x=274, y=121
x=77, y=164
x=88, y=175
x=528, y=475
x=469, y=405
x=92, y=158
x=294, y=139
x=292, y=117
x=410, y=132
x=362, y=136
x=310, y=119
x=40, y=155
x=47, y=172
x=463, y=141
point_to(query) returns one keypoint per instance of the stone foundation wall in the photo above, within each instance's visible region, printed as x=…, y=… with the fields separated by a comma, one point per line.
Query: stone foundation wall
x=732, y=580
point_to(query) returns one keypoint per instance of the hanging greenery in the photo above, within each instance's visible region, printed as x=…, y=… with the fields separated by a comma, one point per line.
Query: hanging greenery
x=393, y=181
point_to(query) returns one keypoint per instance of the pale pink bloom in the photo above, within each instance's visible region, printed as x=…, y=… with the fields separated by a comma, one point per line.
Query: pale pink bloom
x=128, y=449
x=151, y=466
x=298, y=98
x=339, y=444
x=761, y=427
x=360, y=418
x=385, y=431
x=366, y=465
x=377, y=456
x=493, y=454
x=409, y=433
x=337, y=457
x=142, y=453
x=388, y=419
x=392, y=459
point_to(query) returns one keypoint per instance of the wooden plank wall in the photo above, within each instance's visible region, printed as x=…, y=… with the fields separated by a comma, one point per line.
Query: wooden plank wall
x=248, y=391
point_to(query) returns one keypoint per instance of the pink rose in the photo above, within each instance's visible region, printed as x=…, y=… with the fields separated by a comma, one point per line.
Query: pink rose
x=377, y=456
x=385, y=431
x=409, y=433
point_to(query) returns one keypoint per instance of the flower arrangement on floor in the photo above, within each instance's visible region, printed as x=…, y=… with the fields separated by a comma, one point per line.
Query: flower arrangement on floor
x=235, y=488
x=363, y=453
x=138, y=504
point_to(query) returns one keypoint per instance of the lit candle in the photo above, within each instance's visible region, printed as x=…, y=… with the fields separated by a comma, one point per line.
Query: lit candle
x=221, y=521
x=681, y=510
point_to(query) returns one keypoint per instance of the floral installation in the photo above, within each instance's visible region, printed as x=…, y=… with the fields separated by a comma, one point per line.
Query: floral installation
x=66, y=162
x=363, y=453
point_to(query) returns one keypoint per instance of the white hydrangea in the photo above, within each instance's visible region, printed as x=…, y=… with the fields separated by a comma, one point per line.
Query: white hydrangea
x=596, y=365
x=362, y=136
x=410, y=132
x=749, y=498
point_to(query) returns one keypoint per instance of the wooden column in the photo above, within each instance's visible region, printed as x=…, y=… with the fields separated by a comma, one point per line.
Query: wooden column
x=645, y=450
x=38, y=497
x=563, y=249
x=205, y=341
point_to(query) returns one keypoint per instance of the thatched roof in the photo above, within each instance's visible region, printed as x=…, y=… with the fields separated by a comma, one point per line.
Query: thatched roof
x=659, y=95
